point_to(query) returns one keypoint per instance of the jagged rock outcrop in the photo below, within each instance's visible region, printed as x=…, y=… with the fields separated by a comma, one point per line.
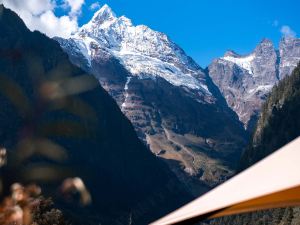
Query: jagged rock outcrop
x=245, y=81
x=279, y=123
x=289, y=51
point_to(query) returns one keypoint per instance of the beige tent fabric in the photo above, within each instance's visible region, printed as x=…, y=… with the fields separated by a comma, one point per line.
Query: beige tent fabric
x=273, y=182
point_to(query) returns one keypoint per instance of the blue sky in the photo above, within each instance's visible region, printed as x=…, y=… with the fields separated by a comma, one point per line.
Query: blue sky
x=205, y=29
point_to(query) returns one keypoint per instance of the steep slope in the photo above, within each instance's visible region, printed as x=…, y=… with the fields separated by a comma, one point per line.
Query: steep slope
x=144, y=52
x=57, y=122
x=289, y=51
x=245, y=81
x=170, y=100
x=279, y=123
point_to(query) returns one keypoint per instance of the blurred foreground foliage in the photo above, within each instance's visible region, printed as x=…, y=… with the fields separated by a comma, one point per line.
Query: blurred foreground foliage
x=26, y=206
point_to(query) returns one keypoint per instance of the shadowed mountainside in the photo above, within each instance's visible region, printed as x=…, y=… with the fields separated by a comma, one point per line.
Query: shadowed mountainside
x=279, y=123
x=56, y=122
x=164, y=93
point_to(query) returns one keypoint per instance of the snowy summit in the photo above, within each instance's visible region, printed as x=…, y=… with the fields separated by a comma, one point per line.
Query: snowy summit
x=144, y=52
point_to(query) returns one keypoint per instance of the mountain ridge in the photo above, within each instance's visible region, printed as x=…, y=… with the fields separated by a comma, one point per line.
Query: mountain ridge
x=170, y=99
x=49, y=101
x=278, y=125
x=172, y=102
x=245, y=81
x=127, y=42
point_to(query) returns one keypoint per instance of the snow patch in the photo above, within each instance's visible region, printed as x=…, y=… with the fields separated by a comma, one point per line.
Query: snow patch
x=148, y=67
x=291, y=62
x=126, y=93
x=243, y=62
x=263, y=88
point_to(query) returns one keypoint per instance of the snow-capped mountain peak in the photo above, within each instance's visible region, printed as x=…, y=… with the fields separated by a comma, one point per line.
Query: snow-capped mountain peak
x=264, y=48
x=104, y=14
x=246, y=88
x=144, y=52
x=247, y=62
x=231, y=53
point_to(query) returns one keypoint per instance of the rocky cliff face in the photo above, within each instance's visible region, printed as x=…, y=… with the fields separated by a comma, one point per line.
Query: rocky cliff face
x=56, y=121
x=278, y=124
x=289, y=50
x=279, y=121
x=245, y=81
x=175, y=108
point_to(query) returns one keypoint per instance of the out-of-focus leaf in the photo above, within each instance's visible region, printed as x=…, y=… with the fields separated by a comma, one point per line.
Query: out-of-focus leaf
x=46, y=173
x=67, y=87
x=63, y=69
x=73, y=185
x=12, y=91
x=70, y=129
x=3, y=157
x=43, y=147
x=77, y=107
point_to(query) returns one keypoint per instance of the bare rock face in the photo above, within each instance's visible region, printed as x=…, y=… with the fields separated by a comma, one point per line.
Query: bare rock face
x=245, y=81
x=289, y=49
x=172, y=103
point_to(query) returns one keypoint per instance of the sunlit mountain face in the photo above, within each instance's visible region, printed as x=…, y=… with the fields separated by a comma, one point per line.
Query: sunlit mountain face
x=246, y=80
x=182, y=112
x=174, y=106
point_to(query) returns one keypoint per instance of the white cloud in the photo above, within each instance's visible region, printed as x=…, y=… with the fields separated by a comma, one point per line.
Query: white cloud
x=75, y=6
x=95, y=6
x=39, y=15
x=54, y=26
x=287, y=31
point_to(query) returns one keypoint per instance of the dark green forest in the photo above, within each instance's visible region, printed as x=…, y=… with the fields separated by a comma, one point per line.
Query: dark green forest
x=279, y=123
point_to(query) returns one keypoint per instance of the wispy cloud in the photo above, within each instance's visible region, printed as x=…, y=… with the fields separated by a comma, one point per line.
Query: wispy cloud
x=95, y=6
x=287, y=31
x=75, y=6
x=39, y=15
